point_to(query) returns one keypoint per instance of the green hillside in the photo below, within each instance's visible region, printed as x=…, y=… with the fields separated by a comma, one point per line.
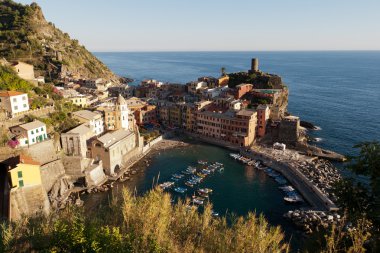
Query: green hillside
x=26, y=36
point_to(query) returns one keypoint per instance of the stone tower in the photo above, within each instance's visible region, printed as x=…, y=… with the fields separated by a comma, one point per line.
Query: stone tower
x=121, y=113
x=255, y=65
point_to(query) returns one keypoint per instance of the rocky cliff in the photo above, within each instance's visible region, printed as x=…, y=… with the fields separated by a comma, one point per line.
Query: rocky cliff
x=26, y=36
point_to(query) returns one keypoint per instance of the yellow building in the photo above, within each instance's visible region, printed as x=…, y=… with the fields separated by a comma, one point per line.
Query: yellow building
x=23, y=171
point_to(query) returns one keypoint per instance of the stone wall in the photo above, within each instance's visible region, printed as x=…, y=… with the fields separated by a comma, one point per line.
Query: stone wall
x=44, y=152
x=147, y=147
x=50, y=173
x=28, y=201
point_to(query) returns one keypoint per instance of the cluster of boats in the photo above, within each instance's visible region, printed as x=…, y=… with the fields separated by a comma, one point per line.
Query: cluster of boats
x=292, y=196
x=191, y=177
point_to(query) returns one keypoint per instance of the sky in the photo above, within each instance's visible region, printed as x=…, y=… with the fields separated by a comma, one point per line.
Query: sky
x=217, y=25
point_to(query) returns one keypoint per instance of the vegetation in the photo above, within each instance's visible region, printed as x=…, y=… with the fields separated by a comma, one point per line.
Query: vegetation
x=60, y=120
x=10, y=81
x=259, y=80
x=25, y=35
x=361, y=200
x=149, y=135
x=160, y=227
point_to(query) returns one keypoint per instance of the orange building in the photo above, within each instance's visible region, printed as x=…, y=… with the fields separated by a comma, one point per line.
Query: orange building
x=146, y=114
x=262, y=119
x=242, y=89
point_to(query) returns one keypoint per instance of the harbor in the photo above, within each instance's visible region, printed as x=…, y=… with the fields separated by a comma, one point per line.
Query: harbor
x=238, y=188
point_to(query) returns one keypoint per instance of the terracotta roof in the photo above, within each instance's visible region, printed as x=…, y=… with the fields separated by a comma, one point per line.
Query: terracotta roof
x=20, y=159
x=27, y=160
x=10, y=93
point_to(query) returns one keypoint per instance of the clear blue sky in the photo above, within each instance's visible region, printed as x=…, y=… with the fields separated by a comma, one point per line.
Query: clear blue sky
x=188, y=25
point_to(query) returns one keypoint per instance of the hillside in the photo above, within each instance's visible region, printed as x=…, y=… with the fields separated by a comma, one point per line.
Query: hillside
x=260, y=80
x=26, y=36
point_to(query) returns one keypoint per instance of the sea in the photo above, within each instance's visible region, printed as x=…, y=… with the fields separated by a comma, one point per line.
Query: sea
x=337, y=91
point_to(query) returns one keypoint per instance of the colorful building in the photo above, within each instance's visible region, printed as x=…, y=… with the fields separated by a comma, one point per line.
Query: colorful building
x=235, y=128
x=23, y=171
x=263, y=112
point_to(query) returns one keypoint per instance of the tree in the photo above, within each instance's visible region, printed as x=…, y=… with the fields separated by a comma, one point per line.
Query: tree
x=368, y=163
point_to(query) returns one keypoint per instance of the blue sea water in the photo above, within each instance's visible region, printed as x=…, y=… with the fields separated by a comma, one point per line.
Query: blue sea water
x=338, y=91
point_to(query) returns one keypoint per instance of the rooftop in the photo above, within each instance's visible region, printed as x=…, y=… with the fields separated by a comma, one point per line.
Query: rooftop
x=81, y=129
x=32, y=125
x=246, y=112
x=20, y=159
x=86, y=114
x=10, y=93
x=110, y=139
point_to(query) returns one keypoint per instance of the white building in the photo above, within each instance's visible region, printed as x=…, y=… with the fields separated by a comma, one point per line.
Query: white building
x=30, y=133
x=93, y=119
x=122, y=112
x=14, y=102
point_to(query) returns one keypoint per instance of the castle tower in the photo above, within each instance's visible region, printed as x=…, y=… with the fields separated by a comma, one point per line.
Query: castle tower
x=121, y=113
x=255, y=65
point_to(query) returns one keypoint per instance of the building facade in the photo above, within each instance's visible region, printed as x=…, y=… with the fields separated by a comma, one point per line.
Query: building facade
x=14, y=102
x=112, y=149
x=30, y=133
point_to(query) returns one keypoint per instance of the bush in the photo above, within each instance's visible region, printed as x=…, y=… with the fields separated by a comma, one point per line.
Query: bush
x=143, y=224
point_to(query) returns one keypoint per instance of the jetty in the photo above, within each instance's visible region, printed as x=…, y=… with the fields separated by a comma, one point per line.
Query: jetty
x=314, y=196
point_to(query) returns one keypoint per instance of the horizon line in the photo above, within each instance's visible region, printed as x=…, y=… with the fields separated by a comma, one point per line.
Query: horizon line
x=234, y=51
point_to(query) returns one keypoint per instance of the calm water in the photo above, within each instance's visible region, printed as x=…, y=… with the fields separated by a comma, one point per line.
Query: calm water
x=338, y=91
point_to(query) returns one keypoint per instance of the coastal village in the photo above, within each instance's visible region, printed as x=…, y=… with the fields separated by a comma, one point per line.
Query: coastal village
x=114, y=125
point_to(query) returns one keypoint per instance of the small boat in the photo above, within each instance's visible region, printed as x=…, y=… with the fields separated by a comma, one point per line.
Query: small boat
x=180, y=189
x=215, y=214
x=189, y=183
x=202, y=162
x=206, y=172
x=287, y=188
x=198, y=201
x=189, y=170
x=205, y=190
x=178, y=176
x=166, y=185
x=281, y=180
x=293, y=199
x=201, y=175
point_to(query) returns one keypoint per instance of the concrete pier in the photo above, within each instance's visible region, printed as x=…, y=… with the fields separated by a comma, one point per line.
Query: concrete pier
x=314, y=196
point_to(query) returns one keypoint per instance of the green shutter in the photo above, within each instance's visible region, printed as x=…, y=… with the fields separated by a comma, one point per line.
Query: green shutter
x=19, y=174
x=21, y=183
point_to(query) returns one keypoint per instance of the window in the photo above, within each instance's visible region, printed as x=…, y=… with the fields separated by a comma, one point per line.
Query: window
x=26, y=142
x=21, y=183
x=42, y=129
x=33, y=140
x=14, y=99
x=32, y=132
x=15, y=107
x=19, y=174
x=24, y=105
x=36, y=130
x=24, y=98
